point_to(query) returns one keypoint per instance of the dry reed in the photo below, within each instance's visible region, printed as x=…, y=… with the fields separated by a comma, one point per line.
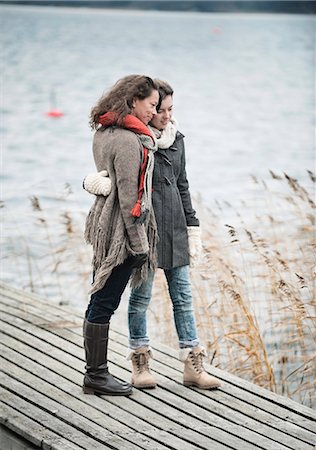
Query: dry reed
x=254, y=293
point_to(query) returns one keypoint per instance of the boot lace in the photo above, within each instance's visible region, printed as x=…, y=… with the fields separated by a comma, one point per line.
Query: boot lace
x=197, y=361
x=141, y=362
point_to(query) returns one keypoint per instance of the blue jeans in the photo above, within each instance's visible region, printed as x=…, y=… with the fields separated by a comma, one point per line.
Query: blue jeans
x=179, y=286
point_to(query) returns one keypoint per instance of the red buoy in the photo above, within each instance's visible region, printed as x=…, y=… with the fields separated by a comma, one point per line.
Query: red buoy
x=54, y=113
x=216, y=30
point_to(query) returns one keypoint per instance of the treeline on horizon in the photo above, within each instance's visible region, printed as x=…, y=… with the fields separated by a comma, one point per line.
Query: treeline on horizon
x=276, y=6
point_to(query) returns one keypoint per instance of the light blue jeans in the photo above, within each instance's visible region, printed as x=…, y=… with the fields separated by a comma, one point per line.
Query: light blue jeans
x=179, y=286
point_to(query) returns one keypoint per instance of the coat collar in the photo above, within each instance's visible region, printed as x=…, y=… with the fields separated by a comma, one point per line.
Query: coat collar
x=174, y=146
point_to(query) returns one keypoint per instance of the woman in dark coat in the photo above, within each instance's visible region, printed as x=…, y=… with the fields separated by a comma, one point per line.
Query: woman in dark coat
x=179, y=245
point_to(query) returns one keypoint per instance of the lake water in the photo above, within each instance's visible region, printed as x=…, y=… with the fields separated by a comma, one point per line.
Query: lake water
x=244, y=98
x=244, y=92
x=244, y=95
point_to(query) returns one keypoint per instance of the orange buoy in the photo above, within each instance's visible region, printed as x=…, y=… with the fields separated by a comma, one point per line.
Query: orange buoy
x=54, y=113
x=216, y=30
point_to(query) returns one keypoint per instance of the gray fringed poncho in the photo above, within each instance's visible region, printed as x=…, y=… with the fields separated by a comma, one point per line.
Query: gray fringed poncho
x=110, y=227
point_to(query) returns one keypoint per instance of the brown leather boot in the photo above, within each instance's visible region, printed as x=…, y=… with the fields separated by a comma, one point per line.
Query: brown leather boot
x=194, y=373
x=141, y=375
x=97, y=379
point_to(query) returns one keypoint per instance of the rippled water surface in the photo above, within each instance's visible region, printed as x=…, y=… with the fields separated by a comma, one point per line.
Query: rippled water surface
x=244, y=98
x=244, y=92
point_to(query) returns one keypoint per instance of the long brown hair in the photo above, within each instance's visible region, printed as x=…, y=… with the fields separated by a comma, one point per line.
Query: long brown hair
x=119, y=98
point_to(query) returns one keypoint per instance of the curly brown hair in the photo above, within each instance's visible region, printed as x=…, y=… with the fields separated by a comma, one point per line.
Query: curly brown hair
x=120, y=97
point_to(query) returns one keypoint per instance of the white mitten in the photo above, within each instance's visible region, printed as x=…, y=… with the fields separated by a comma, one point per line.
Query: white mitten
x=98, y=183
x=195, y=246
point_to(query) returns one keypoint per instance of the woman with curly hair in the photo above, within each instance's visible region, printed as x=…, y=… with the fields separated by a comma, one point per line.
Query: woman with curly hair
x=120, y=227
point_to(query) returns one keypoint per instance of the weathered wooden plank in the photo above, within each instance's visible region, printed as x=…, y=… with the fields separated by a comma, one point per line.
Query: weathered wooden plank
x=193, y=423
x=275, y=399
x=24, y=297
x=109, y=405
x=155, y=418
x=12, y=441
x=231, y=408
x=270, y=426
x=46, y=419
x=167, y=424
x=66, y=408
x=124, y=362
x=99, y=404
x=32, y=431
x=68, y=394
x=243, y=394
x=278, y=403
x=186, y=407
x=65, y=372
x=242, y=432
x=229, y=399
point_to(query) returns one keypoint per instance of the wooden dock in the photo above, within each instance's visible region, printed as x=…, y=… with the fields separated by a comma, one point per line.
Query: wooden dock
x=42, y=404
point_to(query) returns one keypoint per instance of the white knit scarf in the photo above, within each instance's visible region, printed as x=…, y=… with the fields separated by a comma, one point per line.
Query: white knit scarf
x=166, y=137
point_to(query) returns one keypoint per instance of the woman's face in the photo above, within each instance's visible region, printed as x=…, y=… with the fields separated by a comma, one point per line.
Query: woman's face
x=145, y=109
x=164, y=114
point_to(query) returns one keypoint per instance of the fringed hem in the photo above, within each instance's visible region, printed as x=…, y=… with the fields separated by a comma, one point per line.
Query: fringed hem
x=108, y=254
x=116, y=256
x=92, y=220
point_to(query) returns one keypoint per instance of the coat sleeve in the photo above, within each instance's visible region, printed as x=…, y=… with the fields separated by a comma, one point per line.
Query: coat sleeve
x=127, y=165
x=183, y=186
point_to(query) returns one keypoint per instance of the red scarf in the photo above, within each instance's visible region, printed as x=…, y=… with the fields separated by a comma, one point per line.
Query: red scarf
x=131, y=123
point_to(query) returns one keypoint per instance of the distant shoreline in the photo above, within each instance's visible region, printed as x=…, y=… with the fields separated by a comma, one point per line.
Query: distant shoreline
x=220, y=6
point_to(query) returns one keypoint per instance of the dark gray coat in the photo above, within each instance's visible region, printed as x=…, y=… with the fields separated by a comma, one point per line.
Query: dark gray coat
x=172, y=205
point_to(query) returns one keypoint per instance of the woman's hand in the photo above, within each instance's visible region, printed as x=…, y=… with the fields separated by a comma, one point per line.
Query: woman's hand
x=195, y=246
x=98, y=183
x=139, y=260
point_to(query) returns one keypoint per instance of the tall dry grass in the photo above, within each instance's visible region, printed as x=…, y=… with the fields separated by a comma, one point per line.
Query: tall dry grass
x=254, y=293
x=44, y=252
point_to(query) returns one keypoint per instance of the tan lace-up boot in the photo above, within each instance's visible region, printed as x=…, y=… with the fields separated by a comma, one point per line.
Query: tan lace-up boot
x=141, y=375
x=194, y=372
